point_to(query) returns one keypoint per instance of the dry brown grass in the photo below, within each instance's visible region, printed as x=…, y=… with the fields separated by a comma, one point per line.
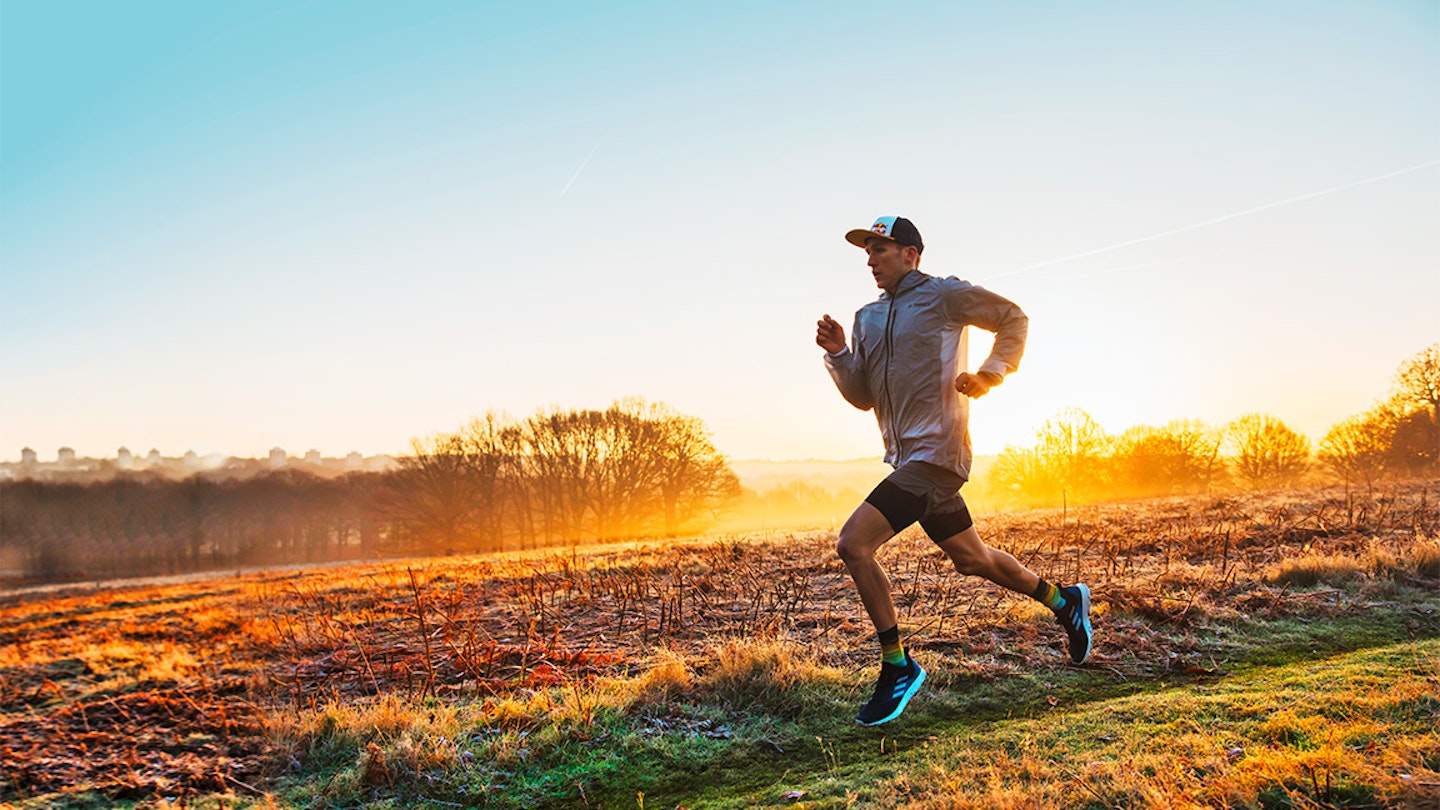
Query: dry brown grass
x=214, y=684
x=1417, y=557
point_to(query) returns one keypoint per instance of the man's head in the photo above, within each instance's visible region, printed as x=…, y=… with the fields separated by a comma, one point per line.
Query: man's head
x=894, y=247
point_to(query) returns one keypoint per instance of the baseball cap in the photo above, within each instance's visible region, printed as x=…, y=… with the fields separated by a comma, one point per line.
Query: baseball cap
x=897, y=229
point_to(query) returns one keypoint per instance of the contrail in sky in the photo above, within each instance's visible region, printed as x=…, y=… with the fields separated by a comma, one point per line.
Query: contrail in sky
x=1217, y=220
x=583, y=164
x=1110, y=271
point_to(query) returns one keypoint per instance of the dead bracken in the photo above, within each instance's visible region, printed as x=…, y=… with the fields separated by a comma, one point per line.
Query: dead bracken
x=146, y=691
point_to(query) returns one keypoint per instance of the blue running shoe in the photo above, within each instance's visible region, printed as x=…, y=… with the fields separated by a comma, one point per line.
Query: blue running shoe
x=896, y=686
x=1075, y=618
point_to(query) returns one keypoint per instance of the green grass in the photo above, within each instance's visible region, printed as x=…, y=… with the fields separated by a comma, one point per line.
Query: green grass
x=1299, y=714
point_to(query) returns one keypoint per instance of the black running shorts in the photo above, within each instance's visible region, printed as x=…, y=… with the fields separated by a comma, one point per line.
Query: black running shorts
x=921, y=491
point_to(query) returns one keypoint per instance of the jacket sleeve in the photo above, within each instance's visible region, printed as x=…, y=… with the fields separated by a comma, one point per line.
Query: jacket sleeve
x=969, y=305
x=847, y=369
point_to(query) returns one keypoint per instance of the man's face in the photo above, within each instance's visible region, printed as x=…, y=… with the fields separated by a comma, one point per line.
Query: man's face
x=887, y=262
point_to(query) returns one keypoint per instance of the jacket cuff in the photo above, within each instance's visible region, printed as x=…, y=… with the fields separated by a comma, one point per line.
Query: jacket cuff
x=990, y=378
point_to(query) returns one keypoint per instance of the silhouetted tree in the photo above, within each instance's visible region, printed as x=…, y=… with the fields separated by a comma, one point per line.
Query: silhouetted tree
x=1266, y=452
x=1020, y=475
x=434, y=496
x=553, y=466
x=1068, y=462
x=690, y=476
x=1418, y=380
x=563, y=474
x=1356, y=449
x=620, y=457
x=1072, y=448
x=1179, y=457
x=488, y=454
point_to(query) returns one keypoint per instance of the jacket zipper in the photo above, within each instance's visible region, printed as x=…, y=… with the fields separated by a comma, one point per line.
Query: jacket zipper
x=889, y=350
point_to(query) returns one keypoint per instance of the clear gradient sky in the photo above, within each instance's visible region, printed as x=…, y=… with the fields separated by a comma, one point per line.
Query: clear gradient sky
x=337, y=225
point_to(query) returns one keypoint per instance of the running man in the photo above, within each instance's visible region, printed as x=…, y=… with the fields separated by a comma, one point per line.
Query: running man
x=905, y=363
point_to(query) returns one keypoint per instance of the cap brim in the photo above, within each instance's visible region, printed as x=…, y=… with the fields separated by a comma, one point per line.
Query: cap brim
x=858, y=236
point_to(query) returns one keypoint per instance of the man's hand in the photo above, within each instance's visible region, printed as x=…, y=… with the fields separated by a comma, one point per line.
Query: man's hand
x=971, y=385
x=829, y=335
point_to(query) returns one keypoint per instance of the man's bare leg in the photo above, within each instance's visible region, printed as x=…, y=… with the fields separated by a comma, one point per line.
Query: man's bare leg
x=971, y=557
x=861, y=536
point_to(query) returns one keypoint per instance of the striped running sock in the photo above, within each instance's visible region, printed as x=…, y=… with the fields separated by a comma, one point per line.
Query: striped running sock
x=891, y=650
x=1048, y=595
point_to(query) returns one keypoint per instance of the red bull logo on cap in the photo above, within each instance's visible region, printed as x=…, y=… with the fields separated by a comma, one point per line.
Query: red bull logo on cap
x=883, y=225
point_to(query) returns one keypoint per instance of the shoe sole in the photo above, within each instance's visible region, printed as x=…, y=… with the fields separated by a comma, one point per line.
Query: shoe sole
x=1085, y=612
x=904, y=700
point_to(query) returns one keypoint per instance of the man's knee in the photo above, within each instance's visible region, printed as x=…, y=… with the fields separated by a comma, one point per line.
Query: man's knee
x=866, y=530
x=968, y=553
x=851, y=548
x=969, y=563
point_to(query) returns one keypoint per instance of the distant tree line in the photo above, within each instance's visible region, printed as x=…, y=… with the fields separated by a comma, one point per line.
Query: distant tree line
x=134, y=525
x=635, y=469
x=559, y=477
x=1073, y=459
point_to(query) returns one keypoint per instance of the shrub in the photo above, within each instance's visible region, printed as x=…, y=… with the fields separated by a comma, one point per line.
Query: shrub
x=1314, y=569
x=766, y=674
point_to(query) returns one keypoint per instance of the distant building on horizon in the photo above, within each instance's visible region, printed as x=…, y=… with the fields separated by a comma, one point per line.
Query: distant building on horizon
x=69, y=466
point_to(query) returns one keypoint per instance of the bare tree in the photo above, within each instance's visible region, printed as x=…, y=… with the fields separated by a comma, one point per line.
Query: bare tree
x=1266, y=451
x=623, y=471
x=1177, y=458
x=1355, y=449
x=433, y=495
x=629, y=469
x=1418, y=379
x=1072, y=447
x=555, y=463
x=691, y=478
x=485, y=447
x=1068, y=462
x=1021, y=476
x=623, y=495
x=1197, y=451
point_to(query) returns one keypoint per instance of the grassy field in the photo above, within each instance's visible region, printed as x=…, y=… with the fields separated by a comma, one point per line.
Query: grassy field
x=1276, y=650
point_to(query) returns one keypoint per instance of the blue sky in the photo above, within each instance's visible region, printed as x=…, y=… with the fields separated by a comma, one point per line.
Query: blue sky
x=227, y=227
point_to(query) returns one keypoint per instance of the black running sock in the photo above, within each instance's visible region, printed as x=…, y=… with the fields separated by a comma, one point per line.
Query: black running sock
x=891, y=650
x=1048, y=595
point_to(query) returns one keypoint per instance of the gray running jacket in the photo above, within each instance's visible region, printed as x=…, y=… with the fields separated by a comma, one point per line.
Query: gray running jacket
x=906, y=351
